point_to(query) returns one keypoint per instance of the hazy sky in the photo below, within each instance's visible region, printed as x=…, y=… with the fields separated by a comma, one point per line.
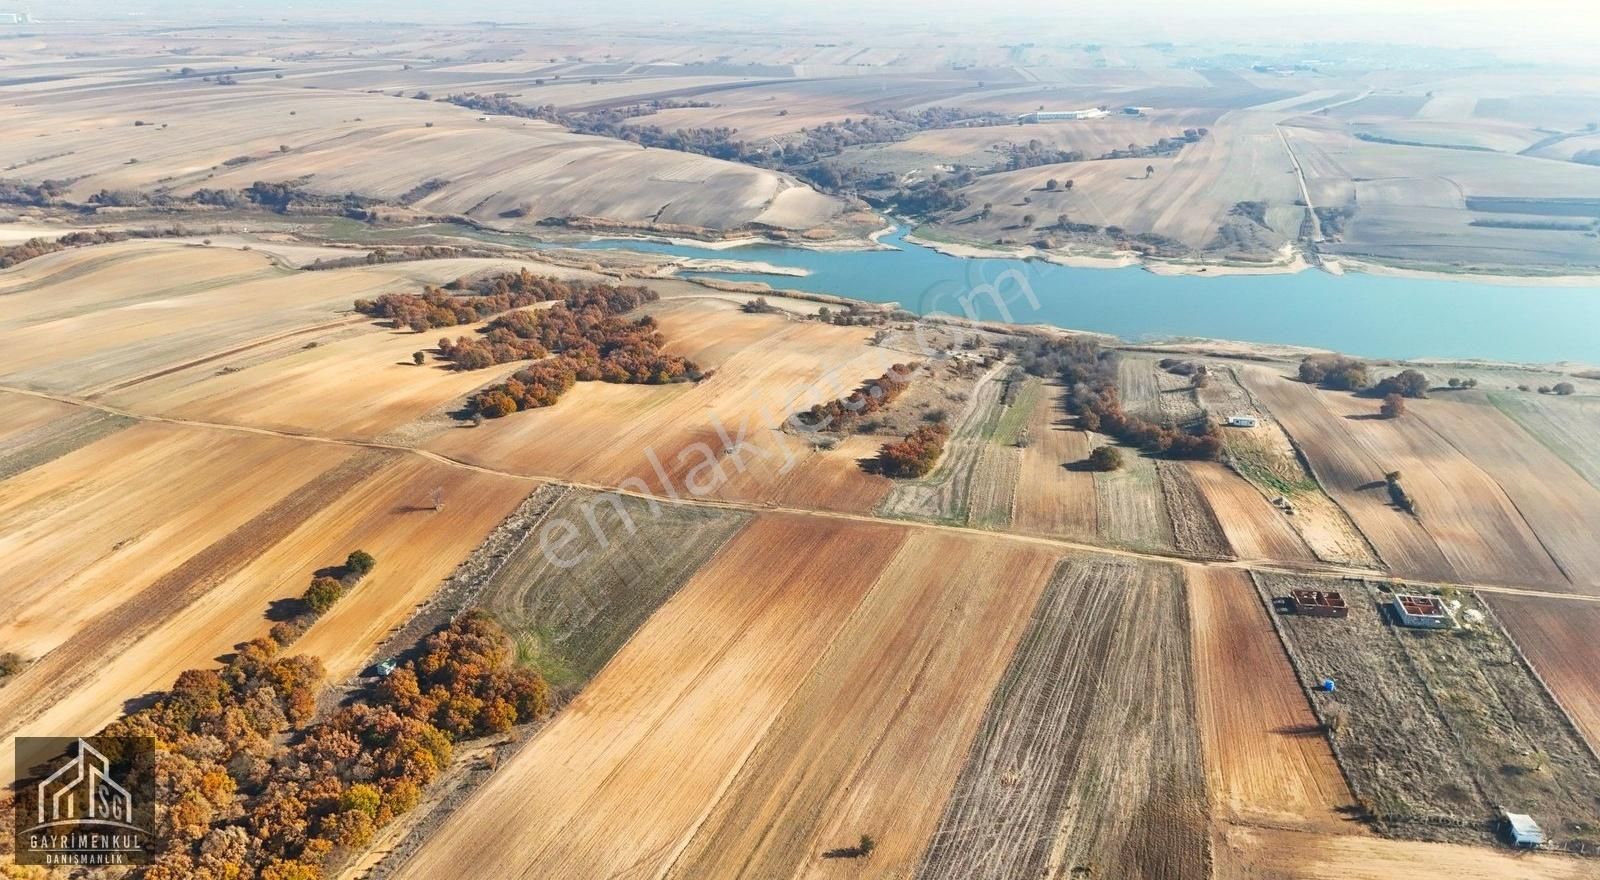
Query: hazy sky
x=1525, y=25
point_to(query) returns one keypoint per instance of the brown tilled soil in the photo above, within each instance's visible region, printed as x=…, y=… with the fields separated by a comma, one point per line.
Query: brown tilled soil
x=1268, y=761
x=1088, y=763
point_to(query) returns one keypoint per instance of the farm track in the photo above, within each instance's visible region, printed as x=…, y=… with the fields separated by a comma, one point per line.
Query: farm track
x=1264, y=565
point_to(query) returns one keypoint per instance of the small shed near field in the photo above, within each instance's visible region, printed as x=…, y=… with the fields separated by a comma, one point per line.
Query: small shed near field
x=1523, y=831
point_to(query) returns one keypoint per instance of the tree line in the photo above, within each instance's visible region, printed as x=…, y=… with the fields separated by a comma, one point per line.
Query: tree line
x=801, y=154
x=1090, y=374
x=38, y=247
x=873, y=396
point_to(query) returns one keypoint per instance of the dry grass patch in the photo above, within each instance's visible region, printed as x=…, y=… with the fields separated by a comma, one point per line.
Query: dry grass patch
x=1437, y=730
x=572, y=602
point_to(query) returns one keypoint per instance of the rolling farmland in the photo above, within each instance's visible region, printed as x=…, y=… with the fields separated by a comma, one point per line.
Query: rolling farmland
x=761, y=657
x=780, y=666
x=1468, y=528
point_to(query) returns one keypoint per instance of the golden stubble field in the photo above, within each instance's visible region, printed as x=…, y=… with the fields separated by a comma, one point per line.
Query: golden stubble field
x=802, y=706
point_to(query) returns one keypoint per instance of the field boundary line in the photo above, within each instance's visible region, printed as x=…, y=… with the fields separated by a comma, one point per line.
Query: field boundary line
x=1277, y=566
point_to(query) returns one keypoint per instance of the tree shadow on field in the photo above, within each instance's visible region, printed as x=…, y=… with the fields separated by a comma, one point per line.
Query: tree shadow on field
x=1301, y=731
x=1375, y=484
x=141, y=702
x=1366, y=417
x=279, y=610
x=1083, y=466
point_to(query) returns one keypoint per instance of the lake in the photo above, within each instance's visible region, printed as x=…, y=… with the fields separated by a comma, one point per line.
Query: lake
x=1369, y=315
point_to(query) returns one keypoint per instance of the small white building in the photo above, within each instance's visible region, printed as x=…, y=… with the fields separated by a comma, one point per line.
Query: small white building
x=1243, y=421
x=1424, y=612
x=1057, y=115
x=1523, y=831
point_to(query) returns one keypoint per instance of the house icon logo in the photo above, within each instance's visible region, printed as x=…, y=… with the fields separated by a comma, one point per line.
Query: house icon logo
x=83, y=791
x=81, y=813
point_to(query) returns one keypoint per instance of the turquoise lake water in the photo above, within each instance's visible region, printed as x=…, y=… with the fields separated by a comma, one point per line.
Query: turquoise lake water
x=1369, y=315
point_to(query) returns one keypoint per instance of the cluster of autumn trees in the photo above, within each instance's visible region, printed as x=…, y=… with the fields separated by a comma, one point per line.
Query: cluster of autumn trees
x=584, y=329
x=1335, y=372
x=1090, y=374
x=1340, y=373
x=873, y=396
x=251, y=788
x=915, y=455
x=467, y=302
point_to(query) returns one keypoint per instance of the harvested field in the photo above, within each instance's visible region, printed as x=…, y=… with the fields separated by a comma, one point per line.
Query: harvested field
x=1478, y=727
x=1270, y=854
x=716, y=438
x=1265, y=456
x=696, y=689
x=1195, y=528
x=358, y=384
x=496, y=169
x=1103, y=671
x=1558, y=639
x=1559, y=506
x=882, y=722
x=1054, y=498
x=994, y=486
x=1187, y=198
x=1139, y=388
x=1468, y=529
x=1267, y=759
x=159, y=326
x=1567, y=426
x=86, y=520
x=199, y=577
x=572, y=597
x=1254, y=528
x=29, y=442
